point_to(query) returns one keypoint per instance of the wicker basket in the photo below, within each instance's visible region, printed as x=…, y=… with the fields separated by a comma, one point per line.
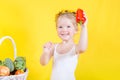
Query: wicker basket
x=13, y=77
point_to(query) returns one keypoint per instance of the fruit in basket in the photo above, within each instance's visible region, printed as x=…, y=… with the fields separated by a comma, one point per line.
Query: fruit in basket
x=4, y=71
x=20, y=63
x=19, y=72
x=9, y=63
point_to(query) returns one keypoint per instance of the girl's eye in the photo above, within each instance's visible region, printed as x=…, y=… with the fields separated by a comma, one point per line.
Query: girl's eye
x=68, y=26
x=60, y=27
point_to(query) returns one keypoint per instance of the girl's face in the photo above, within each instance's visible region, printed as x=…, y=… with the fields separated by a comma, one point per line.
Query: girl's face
x=65, y=28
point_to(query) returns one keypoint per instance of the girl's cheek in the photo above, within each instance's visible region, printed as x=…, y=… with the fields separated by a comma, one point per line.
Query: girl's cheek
x=58, y=30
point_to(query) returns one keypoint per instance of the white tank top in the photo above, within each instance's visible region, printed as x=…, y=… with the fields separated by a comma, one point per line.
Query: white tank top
x=64, y=65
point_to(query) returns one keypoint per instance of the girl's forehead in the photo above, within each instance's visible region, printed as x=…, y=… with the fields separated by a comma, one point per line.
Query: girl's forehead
x=64, y=20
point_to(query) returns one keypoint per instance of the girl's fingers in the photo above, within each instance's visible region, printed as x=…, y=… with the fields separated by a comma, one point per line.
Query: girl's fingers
x=48, y=45
x=86, y=18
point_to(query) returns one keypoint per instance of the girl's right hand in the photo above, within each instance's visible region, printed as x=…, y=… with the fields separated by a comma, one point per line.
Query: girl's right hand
x=48, y=47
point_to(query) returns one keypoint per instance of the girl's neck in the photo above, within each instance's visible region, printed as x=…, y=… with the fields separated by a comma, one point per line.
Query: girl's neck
x=69, y=42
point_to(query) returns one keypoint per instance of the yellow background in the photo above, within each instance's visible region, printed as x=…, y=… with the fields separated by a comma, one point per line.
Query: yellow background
x=32, y=23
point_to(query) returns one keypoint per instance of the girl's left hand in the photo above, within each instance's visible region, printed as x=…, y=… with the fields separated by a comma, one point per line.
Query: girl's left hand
x=86, y=22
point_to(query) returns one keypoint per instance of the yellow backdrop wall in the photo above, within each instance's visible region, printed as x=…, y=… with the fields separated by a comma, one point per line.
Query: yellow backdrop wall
x=32, y=23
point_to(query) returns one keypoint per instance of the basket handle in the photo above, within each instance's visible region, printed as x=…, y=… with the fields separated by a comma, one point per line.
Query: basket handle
x=13, y=43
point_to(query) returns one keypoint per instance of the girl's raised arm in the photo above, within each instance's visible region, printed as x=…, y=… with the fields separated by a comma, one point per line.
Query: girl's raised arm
x=83, y=42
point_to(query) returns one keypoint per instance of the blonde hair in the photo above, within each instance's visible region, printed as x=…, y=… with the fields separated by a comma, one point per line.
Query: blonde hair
x=68, y=14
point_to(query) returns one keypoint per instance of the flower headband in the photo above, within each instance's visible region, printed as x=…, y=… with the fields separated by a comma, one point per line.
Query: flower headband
x=78, y=14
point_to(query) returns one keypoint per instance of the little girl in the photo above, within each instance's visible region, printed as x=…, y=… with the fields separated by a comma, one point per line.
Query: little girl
x=65, y=54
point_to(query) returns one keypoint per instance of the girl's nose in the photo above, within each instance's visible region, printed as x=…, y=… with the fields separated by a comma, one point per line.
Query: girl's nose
x=64, y=29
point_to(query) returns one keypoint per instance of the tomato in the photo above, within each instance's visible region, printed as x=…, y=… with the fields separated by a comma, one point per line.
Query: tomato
x=80, y=13
x=83, y=19
x=80, y=16
x=19, y=72
x=4, y=71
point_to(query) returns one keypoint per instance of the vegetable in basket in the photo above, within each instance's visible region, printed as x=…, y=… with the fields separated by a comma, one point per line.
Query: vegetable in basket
x=4, y=71
x=0, y=62
x=20, y=63
x=9, y=63
x=19, y=72
x=8, y=67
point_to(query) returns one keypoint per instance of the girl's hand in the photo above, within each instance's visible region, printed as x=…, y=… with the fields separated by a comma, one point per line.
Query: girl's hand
x=48, y=47
x=85, y=24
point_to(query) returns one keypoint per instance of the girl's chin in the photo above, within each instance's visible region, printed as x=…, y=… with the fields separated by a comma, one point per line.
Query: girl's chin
x=65, y=39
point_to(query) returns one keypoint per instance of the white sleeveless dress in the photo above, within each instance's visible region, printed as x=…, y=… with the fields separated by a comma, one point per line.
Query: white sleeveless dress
x=64, y=65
